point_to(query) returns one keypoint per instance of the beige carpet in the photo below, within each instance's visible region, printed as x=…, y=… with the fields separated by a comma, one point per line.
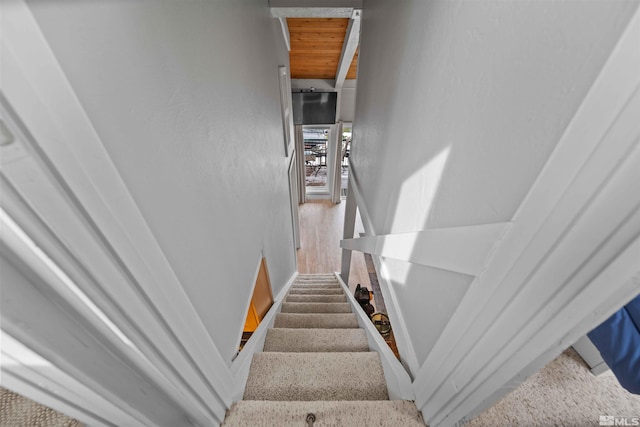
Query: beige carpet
x=317, y=298
x=563, y=393
x=264, y=413
x=317, y=360
x=18, y=411
x=316, y=320
x=316, y=290
x=315, y=307
x=316, y=376
x=318, y=340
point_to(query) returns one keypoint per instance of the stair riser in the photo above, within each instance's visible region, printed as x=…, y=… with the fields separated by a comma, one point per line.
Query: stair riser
x=316, y=298
x=329, y=285
x=316, y=291
x=304, y=290
x=317, y=283
x=316, y=376
x=312, y=320
x=316, y=340
x=315, y=276
x=315, y=307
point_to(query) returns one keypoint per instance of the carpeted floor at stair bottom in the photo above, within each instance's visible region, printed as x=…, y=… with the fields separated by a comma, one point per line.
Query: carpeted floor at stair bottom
x=317, y=360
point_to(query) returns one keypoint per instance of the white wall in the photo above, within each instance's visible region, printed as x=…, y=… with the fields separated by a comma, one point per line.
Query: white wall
x=459, y=106
x=185, y=98
x=348, y=101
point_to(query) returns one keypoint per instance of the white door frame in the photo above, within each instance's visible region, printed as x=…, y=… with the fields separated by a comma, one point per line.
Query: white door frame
x=66, y=185
x=324, y=192
x=293, y=200
x=569, y=258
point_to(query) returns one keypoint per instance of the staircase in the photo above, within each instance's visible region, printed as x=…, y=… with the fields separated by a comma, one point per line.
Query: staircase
x=316, y=368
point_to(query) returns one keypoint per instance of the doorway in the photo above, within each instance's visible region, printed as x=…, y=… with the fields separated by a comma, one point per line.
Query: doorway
x=344, y=161
x=326, y=160
x=317, y=141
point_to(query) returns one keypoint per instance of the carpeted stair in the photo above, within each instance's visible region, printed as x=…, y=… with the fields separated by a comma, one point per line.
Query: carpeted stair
x=317, y=360
x=316, y=320
x=317, y=298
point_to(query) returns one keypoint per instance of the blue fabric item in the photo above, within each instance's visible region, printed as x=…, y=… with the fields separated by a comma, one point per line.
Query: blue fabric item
x=618, y=340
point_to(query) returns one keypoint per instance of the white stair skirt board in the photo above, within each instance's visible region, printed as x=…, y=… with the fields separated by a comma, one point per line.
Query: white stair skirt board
x=397, y=378
x=356, y=203
x=242, y=363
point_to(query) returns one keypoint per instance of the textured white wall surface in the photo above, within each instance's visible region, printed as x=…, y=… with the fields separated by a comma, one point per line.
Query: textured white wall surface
x=459, y=106
x=347, y=104
x=185, y=97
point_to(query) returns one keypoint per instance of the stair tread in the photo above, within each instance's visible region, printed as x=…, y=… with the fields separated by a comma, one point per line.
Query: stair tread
x=390, y=413
x=316, y=291
x=316, y=307
x=318, y=277
x=315, y=298
x=316, y=376
x=317, y=285
x=316, y=320
x=320, y=282
x=316, y=340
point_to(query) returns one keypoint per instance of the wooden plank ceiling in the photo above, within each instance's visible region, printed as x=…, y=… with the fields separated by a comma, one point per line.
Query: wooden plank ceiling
x=316, y=45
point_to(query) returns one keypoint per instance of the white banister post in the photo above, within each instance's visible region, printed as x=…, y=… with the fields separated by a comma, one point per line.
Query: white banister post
x=349, y=227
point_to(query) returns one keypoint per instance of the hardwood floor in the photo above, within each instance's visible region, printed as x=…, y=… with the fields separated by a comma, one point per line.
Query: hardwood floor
x=321, y=225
